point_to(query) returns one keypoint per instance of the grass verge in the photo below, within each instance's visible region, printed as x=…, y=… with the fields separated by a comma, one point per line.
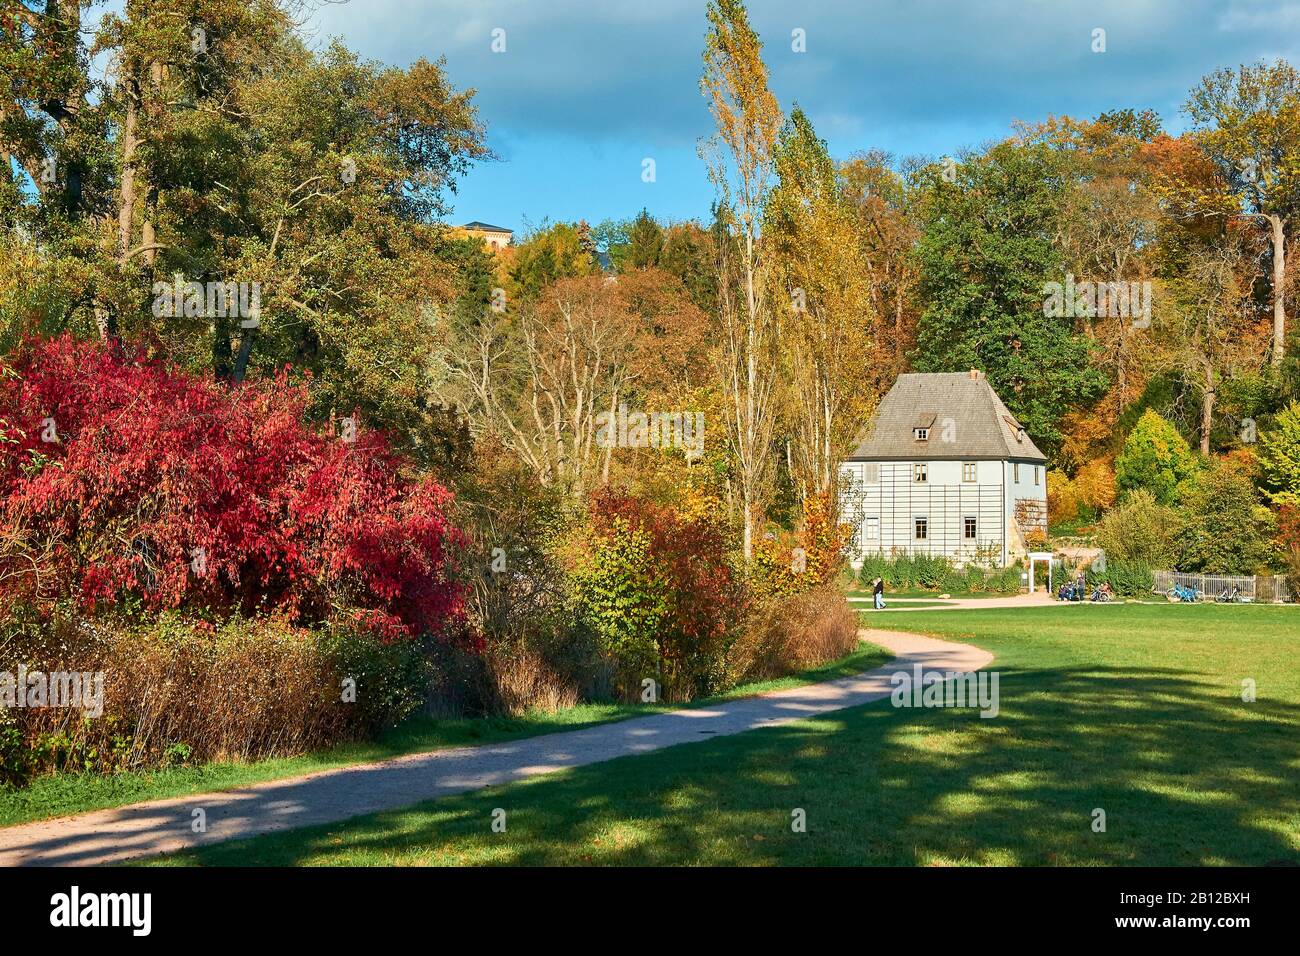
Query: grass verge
x=58, y=795
x=1135, y=710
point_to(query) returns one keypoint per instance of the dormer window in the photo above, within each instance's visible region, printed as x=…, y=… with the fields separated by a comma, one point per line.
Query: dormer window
x=922, y=424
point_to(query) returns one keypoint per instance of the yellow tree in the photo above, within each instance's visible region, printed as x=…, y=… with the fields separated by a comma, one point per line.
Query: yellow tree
x=887, y=229
x=1248, y=124
x=1210, y=331
x=822, y=279
x=740, y=158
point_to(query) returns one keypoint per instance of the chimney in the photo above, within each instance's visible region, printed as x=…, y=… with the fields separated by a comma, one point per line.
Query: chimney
x=974, y=375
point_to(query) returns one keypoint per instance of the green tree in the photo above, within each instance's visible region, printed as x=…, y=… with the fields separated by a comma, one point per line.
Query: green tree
x=221, y=149
x=549, y=253
x=1155, y=458
x=1141, y=530
x=985, y=256
x=611, y=239
x=689, y=255
x=645, y=243
x=1279, y=457
x=1226, y=529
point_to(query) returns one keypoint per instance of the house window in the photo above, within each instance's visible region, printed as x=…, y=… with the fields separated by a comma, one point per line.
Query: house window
x=871, y=529
x=969, y=528
x=1015, y=472
x=922, y=528
x=920, y=474
x=921, y=434
x=873, y=472
x=968, y=471
x=1035, y=474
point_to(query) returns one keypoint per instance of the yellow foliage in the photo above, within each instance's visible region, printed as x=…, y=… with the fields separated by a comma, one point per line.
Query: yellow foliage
x=1092, y=489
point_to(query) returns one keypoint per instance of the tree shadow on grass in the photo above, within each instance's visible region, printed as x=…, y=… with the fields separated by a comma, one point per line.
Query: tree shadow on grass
x=1185, y=772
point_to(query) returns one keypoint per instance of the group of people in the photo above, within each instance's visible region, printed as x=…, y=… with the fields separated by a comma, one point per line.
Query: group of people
x=1077, y=590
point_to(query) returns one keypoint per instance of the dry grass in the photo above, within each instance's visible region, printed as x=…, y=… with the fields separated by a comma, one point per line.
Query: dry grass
x=520, y=680
x=173, y=694
x=795, y=634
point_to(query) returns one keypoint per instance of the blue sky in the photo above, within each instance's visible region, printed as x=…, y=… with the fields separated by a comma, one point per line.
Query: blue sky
x=587, y=89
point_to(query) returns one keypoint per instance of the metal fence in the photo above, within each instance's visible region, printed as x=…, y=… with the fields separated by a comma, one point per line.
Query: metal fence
x=1262, y=589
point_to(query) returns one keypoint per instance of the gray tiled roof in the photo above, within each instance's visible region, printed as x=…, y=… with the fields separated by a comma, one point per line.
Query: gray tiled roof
x=981, y=426
x=486, y=227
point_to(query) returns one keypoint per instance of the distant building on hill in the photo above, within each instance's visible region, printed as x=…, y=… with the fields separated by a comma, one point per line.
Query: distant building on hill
x=496, y=237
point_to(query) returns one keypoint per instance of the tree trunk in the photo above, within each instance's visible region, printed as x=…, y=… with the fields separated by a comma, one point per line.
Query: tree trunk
x=1279, y=289
x=1207, y=410
x=748, y=541
x=245, y=349
x=148, y=234
x=126, y=201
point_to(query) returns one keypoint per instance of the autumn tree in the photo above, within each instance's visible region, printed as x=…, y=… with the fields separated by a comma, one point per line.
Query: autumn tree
x=887, y=230
x=741, y=156
x=823, y=284
x=1248, y=123
x=1106, y=234
x=548, y=253
x=1208, y=331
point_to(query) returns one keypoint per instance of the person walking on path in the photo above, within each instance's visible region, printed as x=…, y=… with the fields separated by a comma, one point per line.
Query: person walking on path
x=879, y=592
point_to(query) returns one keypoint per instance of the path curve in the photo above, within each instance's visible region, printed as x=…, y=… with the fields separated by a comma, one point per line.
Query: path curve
x=164, y=826
x=1039, y=598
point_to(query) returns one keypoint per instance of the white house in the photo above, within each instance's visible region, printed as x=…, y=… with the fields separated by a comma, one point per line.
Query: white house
x=945, y=469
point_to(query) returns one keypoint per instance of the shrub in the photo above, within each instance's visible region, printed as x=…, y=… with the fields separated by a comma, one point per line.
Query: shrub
x=659, y=593
x=1155, y=458
x=1279, y=457
x=127, y=483
x=516, y=596
x=792, y=634
x=1125, y=578
x=935, y=573
x=1140, y=530
x=1006, y=580
x=177, y=690
x=520, y=679
x=824, y=543
x=1226, y=529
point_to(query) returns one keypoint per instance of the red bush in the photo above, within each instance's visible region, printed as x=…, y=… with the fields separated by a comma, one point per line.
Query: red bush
x=687, y=592
x=124, y=478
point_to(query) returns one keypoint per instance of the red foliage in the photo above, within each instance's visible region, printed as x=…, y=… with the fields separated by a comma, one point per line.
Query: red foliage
x=181, y=492
x=689, y=556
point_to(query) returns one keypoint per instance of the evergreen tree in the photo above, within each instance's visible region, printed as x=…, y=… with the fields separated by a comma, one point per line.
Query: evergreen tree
x=985, y=258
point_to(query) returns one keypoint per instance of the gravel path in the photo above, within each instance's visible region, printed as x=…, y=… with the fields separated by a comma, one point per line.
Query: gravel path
x=1040, y=598
x=124, y=833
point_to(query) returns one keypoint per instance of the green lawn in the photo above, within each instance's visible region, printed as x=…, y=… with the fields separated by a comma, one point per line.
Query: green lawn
x=1133, y=709
x=63, y=794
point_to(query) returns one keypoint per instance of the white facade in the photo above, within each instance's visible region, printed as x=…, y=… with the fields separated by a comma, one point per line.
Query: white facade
x=966, y=510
